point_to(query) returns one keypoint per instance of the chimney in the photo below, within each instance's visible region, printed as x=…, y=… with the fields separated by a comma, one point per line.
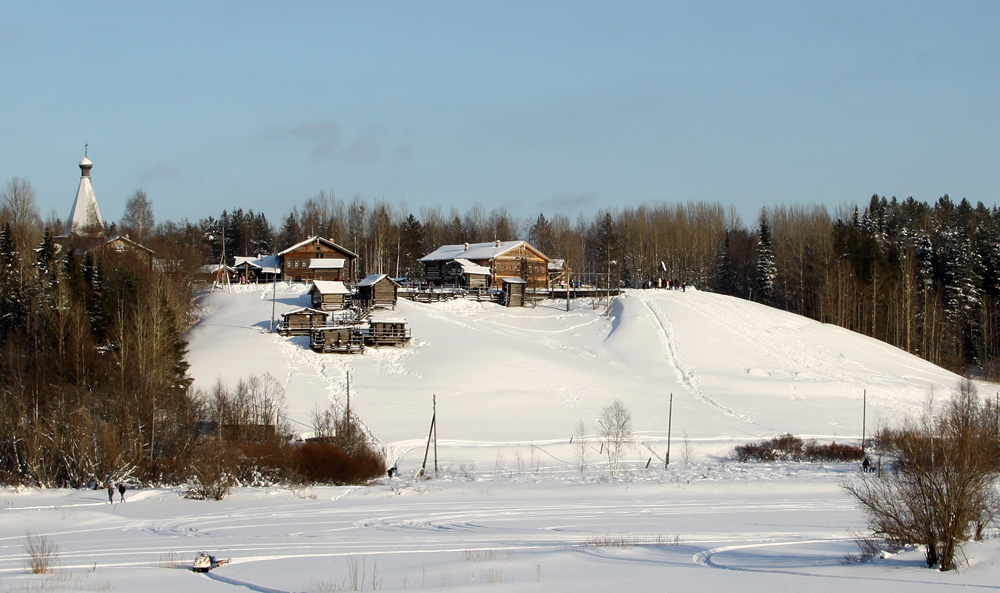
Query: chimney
x=498, y=242
x=466, y=246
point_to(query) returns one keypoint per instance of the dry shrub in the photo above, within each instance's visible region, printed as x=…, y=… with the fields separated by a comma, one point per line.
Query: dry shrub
x=40, y=553
x=791, y=448
x=941, y=489
x=211, y=470
x=326, y=463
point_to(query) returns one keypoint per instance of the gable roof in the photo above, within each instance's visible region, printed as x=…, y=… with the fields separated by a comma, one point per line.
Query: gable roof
x=474, y=251
x=326, y=242
x=305, y=310
x=374, y=279
x=267, y=264
x=471, y=268
x=329, y=287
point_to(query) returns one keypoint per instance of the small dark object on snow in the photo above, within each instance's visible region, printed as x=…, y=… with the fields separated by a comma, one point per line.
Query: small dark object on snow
x=111, y=493
x=204, y=562
x=121, y=491
x=392, y=471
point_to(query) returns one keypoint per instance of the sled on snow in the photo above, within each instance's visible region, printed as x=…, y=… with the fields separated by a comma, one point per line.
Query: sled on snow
x=204, y=562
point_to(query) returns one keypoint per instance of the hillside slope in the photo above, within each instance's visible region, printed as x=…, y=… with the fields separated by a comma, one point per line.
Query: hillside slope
x=509, y=378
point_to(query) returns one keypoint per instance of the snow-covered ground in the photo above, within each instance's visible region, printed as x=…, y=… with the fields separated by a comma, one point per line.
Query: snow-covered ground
x=511, y=507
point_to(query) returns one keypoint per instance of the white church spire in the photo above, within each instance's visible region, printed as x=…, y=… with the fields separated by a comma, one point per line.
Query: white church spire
x=85, y=216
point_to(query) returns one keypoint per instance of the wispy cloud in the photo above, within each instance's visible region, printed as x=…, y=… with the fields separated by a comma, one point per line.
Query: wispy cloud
x=159, y=173
x=323, y=135
x=327, y=140
x=571, y=202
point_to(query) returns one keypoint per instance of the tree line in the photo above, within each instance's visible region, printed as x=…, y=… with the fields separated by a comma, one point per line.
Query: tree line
x=94, y=345
x=922, y=277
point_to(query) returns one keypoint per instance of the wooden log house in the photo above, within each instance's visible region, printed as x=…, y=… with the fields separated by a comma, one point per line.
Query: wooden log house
x=296, y=260
x=515, y=259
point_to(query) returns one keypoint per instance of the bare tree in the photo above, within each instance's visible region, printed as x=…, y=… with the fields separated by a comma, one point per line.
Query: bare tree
x=19, y=207
x=615, y=422
x=581, y=444
x=941, y=489
x=138, y=218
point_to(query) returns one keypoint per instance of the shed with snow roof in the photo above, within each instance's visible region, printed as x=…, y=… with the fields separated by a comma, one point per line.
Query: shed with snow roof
x=378, y=290
x=299, y=322
x=262, y=268
x=329, y=295
x=513, y=291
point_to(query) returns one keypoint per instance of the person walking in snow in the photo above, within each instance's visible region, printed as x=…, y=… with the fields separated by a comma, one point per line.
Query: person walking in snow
x=121, y=490
x=111, y=493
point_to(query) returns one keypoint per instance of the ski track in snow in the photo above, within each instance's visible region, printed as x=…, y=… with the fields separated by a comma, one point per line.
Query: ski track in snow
x=667, y=334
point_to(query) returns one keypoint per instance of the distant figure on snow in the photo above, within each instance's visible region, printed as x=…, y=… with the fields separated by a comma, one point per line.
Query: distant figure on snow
x=121, y=490
x=111, y=493
x=866, y=466
x=392, y=471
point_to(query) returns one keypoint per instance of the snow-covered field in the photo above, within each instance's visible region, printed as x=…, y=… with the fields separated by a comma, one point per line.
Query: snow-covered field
x=511, y=507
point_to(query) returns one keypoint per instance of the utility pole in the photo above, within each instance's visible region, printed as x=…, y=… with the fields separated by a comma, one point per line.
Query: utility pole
x=435, y=407
x=432, y=433
x=864, y=417
x=670, y=420
x=274, y=288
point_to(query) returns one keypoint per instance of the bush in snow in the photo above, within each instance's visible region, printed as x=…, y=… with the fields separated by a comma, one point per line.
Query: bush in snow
x=941, y=488
x=791, y=448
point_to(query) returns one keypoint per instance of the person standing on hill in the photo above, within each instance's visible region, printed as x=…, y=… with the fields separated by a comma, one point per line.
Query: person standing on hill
x=111, y=493
x=121, y=490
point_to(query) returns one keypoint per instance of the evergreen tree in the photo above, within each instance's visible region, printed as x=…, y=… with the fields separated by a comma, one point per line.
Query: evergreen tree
x=766, y=270
x=541, y=236
x=291, y=232
x=725, y=277
x=412, y=246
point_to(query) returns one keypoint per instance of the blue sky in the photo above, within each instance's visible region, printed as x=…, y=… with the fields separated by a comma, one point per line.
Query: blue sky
x=541, y=106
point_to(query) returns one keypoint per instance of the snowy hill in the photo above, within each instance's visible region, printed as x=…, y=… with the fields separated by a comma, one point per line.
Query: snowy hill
x=511, y=508
x=510, y=377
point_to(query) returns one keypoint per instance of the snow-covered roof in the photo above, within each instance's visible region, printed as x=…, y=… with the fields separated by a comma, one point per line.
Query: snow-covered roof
x=556, y=265
x=334, y=263
x=123, y=239
x=212, y=268
x=304, y=310
x=471, y=268
x=267, y=264
x=85, y=212
x=371, y=280
x=470, y=251
x=329, y=287
x=513, y=280
x=326, y=242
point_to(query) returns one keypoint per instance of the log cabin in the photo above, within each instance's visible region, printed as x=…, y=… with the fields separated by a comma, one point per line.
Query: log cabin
x=329, y=295
x=296, y=260
x=502, y=258
x=300, y=322
x=378, y=290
